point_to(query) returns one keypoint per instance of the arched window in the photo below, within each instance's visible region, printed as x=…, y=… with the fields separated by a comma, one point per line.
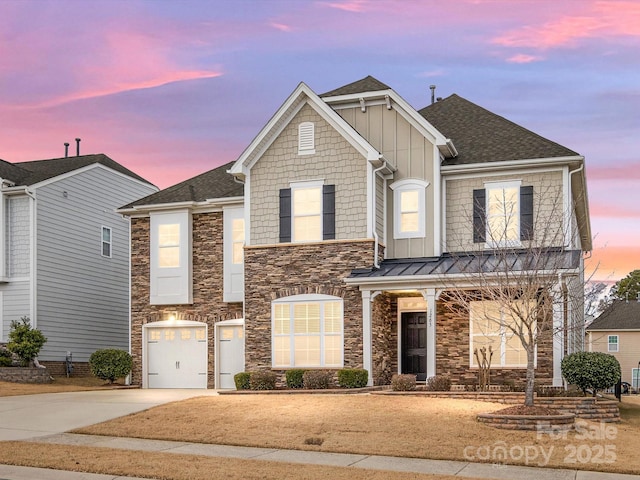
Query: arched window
x=409, y=215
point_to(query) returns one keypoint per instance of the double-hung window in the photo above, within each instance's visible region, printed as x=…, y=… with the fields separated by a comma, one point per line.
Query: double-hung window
x=307, y=331
x=106, y=242
x=612, y=343
x=409, y=217
x=307, y=212
x=233, y=253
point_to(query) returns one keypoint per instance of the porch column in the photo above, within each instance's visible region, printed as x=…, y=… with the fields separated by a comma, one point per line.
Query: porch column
x=558, y=334
x=429, y=295
x=367, y=358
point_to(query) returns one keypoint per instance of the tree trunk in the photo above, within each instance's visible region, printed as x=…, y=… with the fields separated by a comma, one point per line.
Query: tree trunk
x=531, y=373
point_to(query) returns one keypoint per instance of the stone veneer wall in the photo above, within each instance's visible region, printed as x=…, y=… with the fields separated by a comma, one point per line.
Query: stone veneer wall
x=452, y=353
x=278, y=271
x=383, y=339
x=207, y=305
x=25, y=375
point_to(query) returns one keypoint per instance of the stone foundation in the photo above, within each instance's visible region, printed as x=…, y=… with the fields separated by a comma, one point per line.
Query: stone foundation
x=25, y=375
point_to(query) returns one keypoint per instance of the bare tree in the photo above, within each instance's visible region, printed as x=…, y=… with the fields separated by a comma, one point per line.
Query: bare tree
x=525, y=278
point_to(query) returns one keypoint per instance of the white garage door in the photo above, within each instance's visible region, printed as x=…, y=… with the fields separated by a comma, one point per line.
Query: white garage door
x=176, y=356
x=230, y=354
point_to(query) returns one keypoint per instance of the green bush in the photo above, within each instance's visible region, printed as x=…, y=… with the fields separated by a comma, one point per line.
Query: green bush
x=353, y=378
x=110, y=364
x=293, y=378
x=25, y=341
x=5, y=358
x=263, y=380
x=317, y=379
x=403, y=383
x=438, y=383
x=591, y=370
x=242, y=380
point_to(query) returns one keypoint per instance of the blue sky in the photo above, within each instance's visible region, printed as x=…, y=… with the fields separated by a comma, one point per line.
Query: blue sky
x=172, y=89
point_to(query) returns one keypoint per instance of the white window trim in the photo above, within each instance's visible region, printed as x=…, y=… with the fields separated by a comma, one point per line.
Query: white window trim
x=490, y=242
x=407, y=185
x=501, y=355
x=635, y=377
x=110, y=242
x=306, y=145
x=617, y=343
x=301, y=186
x=308, y=298
x=230, y=269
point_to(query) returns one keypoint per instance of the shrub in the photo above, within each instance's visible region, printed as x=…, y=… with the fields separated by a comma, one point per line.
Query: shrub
x=25, y=341
x=110, y=364
x=438, y=383
x=242, y=380
x=317, y=379
x=591, y=370
x=403, y=383
x=353, y=378
x=6, y=359
x=263, y=380
x=293, y=378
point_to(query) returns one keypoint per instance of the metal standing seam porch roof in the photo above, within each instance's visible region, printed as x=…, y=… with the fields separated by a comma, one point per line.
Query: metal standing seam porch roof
x=471, y=263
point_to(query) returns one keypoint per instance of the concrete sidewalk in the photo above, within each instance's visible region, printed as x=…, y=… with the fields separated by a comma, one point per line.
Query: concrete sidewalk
x=375, y=462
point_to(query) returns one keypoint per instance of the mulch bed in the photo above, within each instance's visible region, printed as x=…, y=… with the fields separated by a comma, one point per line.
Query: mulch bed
x=525, y=410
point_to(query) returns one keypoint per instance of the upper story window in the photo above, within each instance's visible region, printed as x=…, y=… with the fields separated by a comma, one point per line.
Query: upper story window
x=612, y=343
x=106, y=242
x=409, y=219
x=233, y=253
x=503, y=214
x=237, y=237
x=307, y=212
x=306, y=138
x=169, y=245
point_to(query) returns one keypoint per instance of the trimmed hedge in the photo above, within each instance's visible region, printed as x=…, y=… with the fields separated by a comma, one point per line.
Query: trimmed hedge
x=293, y=378
x=403, y=382
x=263, y=380
x=317, y=379
x=242, y=380
x=591, y=370
x=110, y=364
x=438, y=383
x=353, y=377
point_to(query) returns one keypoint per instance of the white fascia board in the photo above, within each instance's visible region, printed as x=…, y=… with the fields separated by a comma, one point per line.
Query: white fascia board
x=86, y=169
x=152, y=208
x=612, y=330
x=509, y=164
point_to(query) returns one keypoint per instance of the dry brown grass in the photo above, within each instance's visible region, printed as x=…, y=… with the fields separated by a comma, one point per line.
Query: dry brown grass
x=166, y=466
x=370, y=424
x=59, y=384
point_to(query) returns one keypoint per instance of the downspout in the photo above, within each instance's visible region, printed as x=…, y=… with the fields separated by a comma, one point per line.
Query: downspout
x=376, y=264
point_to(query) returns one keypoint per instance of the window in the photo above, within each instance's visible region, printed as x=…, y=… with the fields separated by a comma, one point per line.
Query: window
x=307, y=331
x=489, y=327
x=106, y=242
x=169, y=245
x=306, y=138
x=307, y=212
x=613, y=343
x=503, y=214
x=409, y=208
x=233, y=253
x=635, y=378
x=237, y=232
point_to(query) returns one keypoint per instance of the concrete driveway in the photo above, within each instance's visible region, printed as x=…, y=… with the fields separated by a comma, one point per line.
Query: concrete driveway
x=29, y=416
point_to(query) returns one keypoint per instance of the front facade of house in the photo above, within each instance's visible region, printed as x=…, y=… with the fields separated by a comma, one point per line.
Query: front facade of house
x=343, y=226
x=65, y=253
x=616, y=331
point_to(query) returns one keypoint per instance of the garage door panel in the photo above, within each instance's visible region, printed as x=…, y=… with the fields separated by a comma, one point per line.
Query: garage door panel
x=230, y=354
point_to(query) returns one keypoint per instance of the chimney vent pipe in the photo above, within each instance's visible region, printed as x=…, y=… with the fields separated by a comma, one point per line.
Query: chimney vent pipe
x=66, y=149
x=433, y=93
x=77, y=147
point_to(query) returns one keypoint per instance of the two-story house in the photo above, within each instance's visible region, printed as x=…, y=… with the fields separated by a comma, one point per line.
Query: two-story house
x=330, y=241
x=64, y=253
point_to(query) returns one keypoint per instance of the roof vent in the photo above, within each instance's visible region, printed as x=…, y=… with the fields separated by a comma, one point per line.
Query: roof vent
x=433, y=93
x=77, y=147
x=66, y=149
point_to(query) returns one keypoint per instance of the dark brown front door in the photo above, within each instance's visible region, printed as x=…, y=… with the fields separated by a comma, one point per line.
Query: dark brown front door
x=414, y=344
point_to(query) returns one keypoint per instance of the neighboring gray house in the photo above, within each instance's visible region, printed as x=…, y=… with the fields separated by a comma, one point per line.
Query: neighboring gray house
x=64, y=252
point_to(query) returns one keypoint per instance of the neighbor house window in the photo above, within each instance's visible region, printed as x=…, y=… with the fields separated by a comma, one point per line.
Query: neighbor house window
x=306, y=138
x=503, y=214
x=613, y=343
x=307, y=331
x=409, y=219
x=307, y=212
x=106, y=242
x=489, y=327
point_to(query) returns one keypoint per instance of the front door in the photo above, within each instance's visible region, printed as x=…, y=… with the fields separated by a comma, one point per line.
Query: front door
x=414, y=344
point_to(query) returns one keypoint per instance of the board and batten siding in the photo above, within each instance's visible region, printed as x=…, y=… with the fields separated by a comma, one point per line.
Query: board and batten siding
x=628, y=353
x=82, y=296
x=406, y=149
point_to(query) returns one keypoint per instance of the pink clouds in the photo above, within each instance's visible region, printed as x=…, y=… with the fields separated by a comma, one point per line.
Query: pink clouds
x=522, y=58
x=349, y=5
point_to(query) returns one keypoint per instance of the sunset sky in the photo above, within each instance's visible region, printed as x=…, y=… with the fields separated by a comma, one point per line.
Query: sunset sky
x=171, y=89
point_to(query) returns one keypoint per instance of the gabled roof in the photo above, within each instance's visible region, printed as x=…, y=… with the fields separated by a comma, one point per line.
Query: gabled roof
x=216, y=183
x=481, y=136
x=30, y=173
x=366, y=84
x=620, y=315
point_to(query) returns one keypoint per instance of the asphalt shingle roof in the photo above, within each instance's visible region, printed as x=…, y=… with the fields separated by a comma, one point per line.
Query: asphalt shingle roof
x=620, y=315
x=481, y=136
x=216, y=183
x=366, y=84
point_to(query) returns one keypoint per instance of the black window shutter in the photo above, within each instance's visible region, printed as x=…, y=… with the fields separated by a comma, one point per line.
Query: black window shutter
x=479, y=222
x=526, y=213
x=285, y=215
x=328, y=212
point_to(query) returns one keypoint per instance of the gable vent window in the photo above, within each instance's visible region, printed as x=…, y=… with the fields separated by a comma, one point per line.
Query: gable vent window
x=306, y=139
